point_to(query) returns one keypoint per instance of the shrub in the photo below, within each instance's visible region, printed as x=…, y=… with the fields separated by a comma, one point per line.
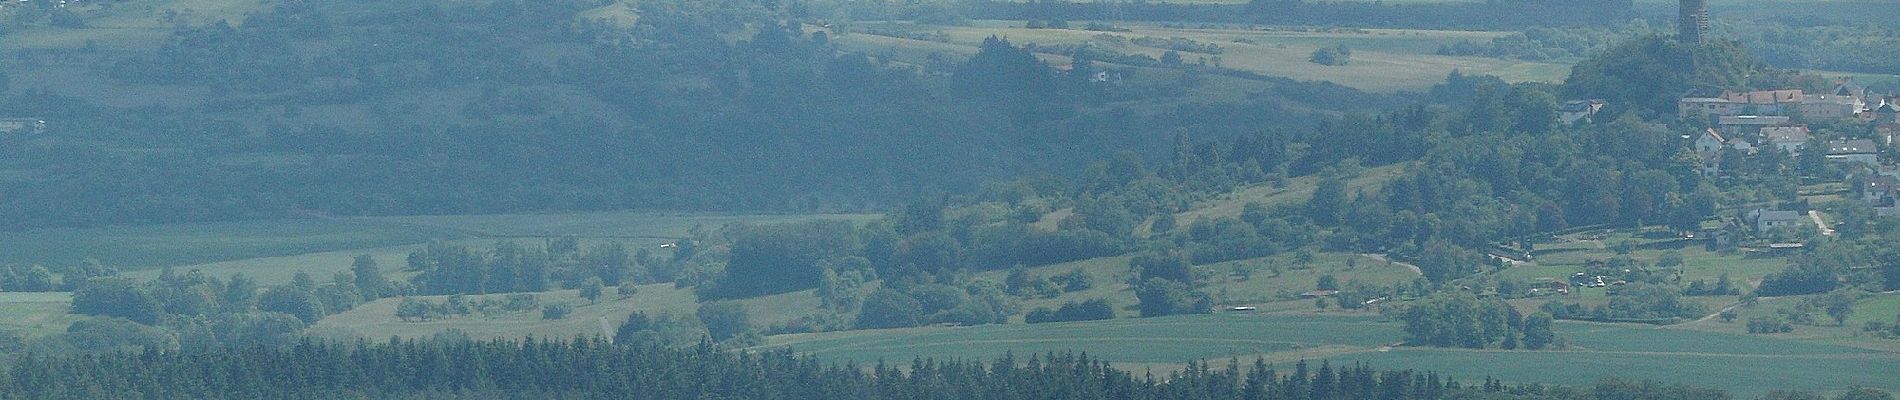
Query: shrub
x=556, y=311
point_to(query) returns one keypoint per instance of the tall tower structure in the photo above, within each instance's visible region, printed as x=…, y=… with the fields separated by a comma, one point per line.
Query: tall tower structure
x=1693, y=21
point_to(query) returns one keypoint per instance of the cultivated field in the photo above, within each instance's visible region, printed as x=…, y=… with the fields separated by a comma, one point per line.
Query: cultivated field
x=1383, y=60
x=273, y=250
x=377, y=319
x=153, y=246
x=36, y=314
x=1734, y=362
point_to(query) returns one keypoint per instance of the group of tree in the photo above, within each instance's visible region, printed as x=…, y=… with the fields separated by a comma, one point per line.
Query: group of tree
x=15, y=278
x=419, y=309
x=1165, y=284
x=194, y=311
x=511, y=267
x=1459, y=319
x=1634, y=302
x=1021, y=283
x=904, y=304
x=1089, y=310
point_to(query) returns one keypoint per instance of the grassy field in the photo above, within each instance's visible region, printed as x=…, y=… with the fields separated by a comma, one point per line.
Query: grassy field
x=152, y=246
x=621, y=224
x=1383, y=60
x=273, y=250
x=1883, y=308
x=321, y=265
x=1262, y=289
x=1295, y=190
x=377, y=319
x=36, y=314
x=1151, y=340
x=1732, y=362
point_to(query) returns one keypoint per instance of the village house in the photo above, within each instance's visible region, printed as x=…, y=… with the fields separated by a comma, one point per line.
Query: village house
x=1579, y=110
x=1736, y=103
x=1880, y=193
x=1768, y=220
x=1830, y=106
x=1861, y=151
x=1887, y=113
x=1748, y=126
x=1846, y=101
x=1790, y=139
x=1690, y=107
x=1711, y=144
x=1889, y=134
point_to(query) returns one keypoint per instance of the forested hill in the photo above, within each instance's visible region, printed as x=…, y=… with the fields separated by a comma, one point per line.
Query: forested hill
x=354, y=108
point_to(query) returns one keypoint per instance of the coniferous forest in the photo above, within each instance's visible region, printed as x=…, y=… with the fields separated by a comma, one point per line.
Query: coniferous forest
x=597, y=369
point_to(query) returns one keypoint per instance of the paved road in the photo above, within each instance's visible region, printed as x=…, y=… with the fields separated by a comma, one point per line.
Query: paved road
x=1381, y=257
x=1818, y=224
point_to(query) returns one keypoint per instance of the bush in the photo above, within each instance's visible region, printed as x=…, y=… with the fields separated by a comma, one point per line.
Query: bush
x=1096, y=309
x=592, y=288
x=1336, y=55
x=887, y=308
x=556, y=311
x=1769, y=324
x=1165, y=297
x=411, y=309
x=1075, y=280
x=519, y=302
x=724, y=320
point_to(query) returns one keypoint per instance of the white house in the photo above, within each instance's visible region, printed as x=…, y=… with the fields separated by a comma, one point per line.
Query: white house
x=1766, y=220
x=1748, y=126
x=1789, y=139
x=1579, y=110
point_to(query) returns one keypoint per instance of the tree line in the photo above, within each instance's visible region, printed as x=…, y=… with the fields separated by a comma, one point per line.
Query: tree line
x=596, y=369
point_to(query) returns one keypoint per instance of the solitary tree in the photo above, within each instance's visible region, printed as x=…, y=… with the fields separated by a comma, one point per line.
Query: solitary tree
x=369, y=279
x=591, y=289
x=412, y=310
x=1839, y=306
x=724, y=320
x=887, y=308
x=1537, y=333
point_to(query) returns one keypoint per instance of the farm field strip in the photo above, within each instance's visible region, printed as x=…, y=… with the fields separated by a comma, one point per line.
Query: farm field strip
x=1383, y=60
x=1734, y=361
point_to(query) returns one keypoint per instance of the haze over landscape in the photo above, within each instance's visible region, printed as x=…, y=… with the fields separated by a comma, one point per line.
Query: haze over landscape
x=950, y=199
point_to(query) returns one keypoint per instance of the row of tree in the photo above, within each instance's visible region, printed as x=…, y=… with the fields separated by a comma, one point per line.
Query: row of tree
x=596, y=369
x=1458, y=319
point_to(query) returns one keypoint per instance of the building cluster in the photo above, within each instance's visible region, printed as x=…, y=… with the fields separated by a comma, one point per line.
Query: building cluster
x=1847, y=100
x=1750, y=122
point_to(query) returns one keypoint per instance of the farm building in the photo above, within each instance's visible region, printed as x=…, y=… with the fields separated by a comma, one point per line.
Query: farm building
x=1861, y=151
x=1318, y=294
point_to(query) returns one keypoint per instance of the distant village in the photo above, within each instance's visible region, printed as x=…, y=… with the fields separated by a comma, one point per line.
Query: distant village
x=1747, y=123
